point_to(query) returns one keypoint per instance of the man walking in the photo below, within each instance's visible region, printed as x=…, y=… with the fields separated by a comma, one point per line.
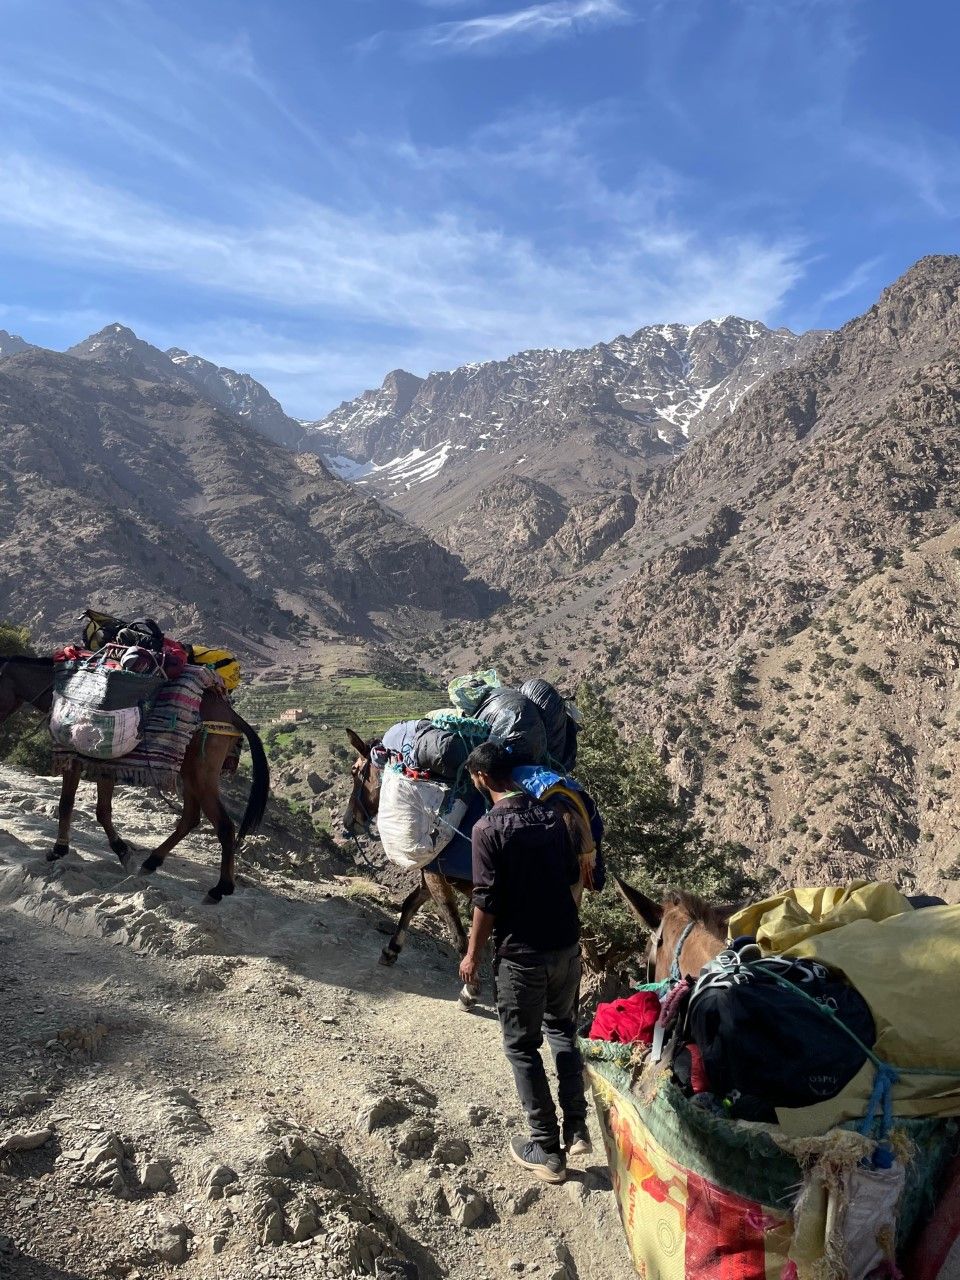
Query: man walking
x=524, y=872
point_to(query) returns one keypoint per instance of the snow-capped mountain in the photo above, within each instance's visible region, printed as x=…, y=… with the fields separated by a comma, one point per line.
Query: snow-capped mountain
x=581, y=420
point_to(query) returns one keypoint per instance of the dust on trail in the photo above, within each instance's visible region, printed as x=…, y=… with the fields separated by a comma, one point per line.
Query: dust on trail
x=241, y=1090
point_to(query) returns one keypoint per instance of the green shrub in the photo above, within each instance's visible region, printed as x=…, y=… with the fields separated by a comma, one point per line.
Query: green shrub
x=649, y=841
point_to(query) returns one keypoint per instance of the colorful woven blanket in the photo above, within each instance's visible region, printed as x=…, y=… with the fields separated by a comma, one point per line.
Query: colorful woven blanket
x=170, y=725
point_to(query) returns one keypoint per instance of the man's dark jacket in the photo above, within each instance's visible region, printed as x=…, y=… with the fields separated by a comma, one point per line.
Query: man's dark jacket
x=523, y=869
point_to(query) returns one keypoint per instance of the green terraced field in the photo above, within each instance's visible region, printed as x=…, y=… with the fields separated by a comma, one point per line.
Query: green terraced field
x=362, y=703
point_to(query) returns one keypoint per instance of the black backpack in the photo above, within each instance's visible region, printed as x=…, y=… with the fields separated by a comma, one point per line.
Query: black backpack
x=768, y=1035
x=144, y=632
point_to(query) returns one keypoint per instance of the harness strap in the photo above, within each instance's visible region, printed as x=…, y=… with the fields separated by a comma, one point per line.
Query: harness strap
x=216, y=729
x=220, y=728
x=675, y=974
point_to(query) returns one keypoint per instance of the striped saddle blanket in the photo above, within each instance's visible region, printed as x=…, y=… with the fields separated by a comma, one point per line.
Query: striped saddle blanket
x=170, y=724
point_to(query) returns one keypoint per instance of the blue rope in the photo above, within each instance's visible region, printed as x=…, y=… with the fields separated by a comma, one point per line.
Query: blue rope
x=885, y=1077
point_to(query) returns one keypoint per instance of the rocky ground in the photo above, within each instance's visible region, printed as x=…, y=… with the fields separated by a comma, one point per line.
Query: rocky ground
x=242, y=1091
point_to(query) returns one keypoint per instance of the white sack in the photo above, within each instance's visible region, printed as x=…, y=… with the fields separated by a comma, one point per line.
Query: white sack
x=408, y=819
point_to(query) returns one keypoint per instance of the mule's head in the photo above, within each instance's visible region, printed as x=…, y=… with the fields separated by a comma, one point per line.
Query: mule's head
x=666, y=922
x=361, y=808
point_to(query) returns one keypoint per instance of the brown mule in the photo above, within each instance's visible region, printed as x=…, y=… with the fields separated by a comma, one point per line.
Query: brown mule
x=670, y=943
x=361, y=809
x=30, y=681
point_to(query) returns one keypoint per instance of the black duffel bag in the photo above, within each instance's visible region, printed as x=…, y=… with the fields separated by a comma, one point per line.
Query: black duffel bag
x=439, y=751
x=516, y=722
x=768, y=1035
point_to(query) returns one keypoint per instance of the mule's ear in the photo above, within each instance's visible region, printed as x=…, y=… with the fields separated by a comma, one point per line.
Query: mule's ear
x=650, y=912
x=358, y=744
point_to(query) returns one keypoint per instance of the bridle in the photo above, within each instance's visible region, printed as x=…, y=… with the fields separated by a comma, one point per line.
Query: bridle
x=657, y=941
x=361, y=776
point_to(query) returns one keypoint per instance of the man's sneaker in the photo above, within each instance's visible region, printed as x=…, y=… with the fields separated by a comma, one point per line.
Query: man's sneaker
x=576, y=1139
x=548, y=1166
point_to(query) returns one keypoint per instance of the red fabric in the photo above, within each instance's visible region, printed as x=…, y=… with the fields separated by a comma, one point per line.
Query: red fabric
x=624, y=1021
x=937, y=1252
x=174, y=658
x=70, y=654
x=699, y=1080
x=725, y=1234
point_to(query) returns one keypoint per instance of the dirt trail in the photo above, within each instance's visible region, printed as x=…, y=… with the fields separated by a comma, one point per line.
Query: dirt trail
x=242, y=1091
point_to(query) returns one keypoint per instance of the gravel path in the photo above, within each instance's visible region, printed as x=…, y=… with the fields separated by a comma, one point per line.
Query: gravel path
x=241, y=1091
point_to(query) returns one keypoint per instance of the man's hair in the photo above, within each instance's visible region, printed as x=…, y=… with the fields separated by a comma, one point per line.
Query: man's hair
x=491, y=758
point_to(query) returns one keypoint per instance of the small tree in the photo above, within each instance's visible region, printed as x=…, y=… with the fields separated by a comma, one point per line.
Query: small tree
x=22, y=740
x=649, y=841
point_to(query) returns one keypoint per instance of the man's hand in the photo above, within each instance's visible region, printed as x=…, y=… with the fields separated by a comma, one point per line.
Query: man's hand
x=468, y=969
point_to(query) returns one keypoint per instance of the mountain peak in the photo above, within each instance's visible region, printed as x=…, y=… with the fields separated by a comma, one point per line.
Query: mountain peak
x=919, y=310
x=11, y=343
x=118, y=347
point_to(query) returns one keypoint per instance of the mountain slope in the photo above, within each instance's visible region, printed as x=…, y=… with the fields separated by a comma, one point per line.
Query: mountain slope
x=820, y=482
x=120, y=484
x=576, y=424
x=237, y=393
x=242, y=395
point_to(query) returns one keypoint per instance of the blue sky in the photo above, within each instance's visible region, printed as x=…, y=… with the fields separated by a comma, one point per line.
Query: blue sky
x=318, y=191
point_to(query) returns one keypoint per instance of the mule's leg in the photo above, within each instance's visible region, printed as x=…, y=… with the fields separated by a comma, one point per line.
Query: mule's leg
x=186, y=823
x=212, y=806
x=443, y=895
x=105, y=818
x=68, y=795
x=411, y=905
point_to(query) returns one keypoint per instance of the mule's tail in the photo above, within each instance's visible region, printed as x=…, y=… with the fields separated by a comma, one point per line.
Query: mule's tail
x=260, y=789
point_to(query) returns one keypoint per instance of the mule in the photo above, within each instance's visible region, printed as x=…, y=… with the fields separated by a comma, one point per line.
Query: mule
x=686, y=932
x=361, y=809
x=29, y=681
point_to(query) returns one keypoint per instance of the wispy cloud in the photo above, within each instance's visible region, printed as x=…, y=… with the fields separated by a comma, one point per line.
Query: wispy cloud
x=450, y=286
x=534, y=24
x=856, y=280
x=925, y=166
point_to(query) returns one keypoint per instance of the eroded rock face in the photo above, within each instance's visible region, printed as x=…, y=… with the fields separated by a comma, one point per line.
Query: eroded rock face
x=593, y=526
x=580, y=423
x=118, y=442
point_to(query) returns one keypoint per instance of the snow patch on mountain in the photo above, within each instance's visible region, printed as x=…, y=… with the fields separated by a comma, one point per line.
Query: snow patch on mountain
x=657, y=386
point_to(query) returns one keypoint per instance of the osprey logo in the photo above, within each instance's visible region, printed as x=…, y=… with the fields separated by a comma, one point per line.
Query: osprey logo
x=823, y=1085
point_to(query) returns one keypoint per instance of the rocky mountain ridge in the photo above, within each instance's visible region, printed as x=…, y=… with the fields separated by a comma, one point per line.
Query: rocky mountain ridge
x=548, y=447
x=238, y=393
x=788, y=518
x=11, y=343
x=120, y=483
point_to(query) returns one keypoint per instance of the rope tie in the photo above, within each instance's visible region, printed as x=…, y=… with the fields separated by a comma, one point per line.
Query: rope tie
x=675, y=974
x=886, y=1074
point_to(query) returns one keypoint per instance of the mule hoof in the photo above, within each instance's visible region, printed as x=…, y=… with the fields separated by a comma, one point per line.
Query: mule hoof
x=151, y=864
x=124, y=855
x=212, y=898
x=57, y=852
x=468, y=996
x=388, y=957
